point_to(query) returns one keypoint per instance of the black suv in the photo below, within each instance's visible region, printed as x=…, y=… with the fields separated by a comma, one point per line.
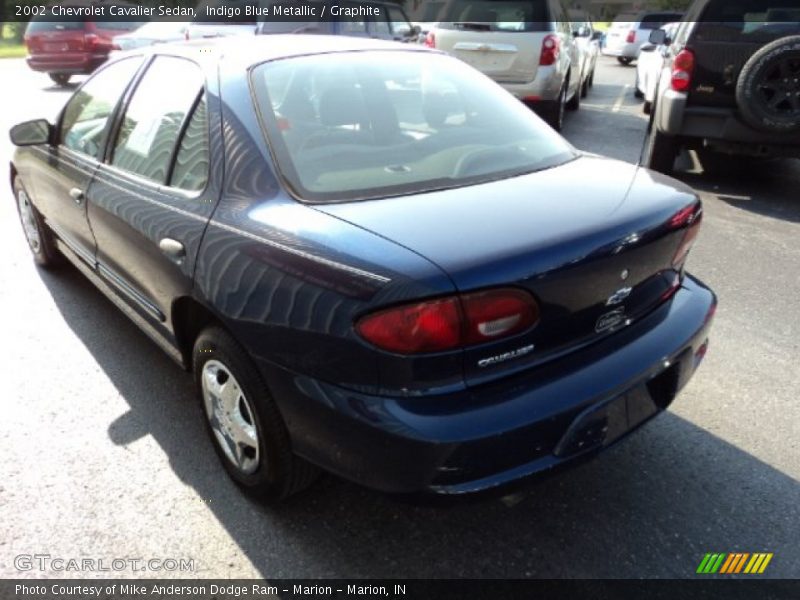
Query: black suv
x=730, y=84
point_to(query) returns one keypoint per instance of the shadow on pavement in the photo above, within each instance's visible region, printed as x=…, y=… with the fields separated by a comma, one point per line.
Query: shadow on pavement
x=649, y=507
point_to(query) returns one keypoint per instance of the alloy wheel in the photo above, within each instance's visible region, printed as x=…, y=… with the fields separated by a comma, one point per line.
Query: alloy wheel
x=28, y=218
x=231, y=416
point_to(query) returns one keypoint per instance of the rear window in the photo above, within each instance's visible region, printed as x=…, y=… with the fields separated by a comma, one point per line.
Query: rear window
x=358, y=125
x=38, y=26
x=749, y=20
x=496, y=15
x=657, y=21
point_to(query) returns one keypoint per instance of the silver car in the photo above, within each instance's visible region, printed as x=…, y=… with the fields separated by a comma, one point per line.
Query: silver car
x=527, y=46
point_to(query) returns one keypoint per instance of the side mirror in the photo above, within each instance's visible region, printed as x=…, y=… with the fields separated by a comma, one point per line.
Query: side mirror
x=414, y=31
x=31, y=133
x=658, y=37
x=597, y=35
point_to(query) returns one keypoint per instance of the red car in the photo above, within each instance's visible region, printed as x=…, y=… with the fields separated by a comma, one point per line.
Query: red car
x=66, y=48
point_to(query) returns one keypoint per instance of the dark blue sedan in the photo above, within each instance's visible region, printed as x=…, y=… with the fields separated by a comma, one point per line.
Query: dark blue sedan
x=373, y=259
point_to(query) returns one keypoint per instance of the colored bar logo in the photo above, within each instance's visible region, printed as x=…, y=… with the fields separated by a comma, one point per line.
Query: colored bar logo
x=734, y=562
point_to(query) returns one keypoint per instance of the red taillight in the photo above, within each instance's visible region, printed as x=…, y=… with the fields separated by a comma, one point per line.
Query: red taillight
x=682, y=70
x=91, y=42
x=631, y=37
x=430, y=40
x=449, y=323
x=551, y=46
x=693, y=217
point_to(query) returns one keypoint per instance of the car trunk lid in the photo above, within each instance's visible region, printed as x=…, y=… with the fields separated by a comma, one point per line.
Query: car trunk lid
x=595, y=257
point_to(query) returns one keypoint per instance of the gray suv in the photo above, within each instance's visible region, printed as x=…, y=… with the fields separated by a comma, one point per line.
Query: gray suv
x=730, y=86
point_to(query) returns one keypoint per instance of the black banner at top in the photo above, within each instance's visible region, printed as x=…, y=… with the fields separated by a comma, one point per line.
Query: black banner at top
x=737, y=12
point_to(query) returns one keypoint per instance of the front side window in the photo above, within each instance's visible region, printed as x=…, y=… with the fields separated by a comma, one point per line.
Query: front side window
x=154, y=117
x=87, y=114
x=356, y=125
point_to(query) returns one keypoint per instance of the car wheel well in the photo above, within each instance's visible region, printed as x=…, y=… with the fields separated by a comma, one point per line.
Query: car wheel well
x=189, y=318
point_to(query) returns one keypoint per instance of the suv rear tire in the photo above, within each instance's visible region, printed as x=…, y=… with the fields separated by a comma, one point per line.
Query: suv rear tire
x=769, y=77
x=660, y=151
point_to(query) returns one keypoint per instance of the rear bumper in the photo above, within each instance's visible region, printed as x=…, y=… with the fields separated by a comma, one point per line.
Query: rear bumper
x=545, y=87
x=623, y=50
x=719, y=127
x=500, y=432
x=68, y=64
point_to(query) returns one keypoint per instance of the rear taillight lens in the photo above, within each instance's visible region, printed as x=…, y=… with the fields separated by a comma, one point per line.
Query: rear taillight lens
x=551, y=46
x=682, y=70
x=430, y=40
x=631, y=37
x=691, y=217
x=91, y=42
x=450, y=323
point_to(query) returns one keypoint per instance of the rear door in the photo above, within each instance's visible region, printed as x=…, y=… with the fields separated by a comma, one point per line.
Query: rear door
x=501, y=39
x=726, y=36
x=70, y=164
x=152, y=198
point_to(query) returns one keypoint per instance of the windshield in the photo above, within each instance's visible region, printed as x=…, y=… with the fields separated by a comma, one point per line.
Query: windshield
x=356, y=125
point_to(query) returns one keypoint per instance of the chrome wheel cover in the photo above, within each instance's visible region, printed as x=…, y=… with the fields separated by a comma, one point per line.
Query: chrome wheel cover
x=28, y=219
x=231, y=416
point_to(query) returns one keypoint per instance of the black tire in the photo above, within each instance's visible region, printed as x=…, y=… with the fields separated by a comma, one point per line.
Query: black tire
x=647, y=107
x=575, y=102
x=660, y=151
x=623, y=60
x=768, y=90
x=38, y=235
x=637, y=93
x=585, y=87
x=60, y=79
x=591, y=76
x=555, y=114
x=278, y=472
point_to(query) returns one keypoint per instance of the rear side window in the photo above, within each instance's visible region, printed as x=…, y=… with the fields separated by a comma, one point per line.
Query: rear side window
x=86, y=115
x=749, y=20
x=356, y=125
x=191, y=162
x=497, y=15
x=155, y=116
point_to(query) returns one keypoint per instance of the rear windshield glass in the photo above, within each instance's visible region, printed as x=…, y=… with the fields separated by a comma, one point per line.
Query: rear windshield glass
x=657, y=21
x=496, y=15
x=357, y=125
x=749, y=20
x=36, y=25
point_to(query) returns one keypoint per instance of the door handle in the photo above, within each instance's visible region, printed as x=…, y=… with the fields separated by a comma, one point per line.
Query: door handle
x=172, y=248
x=77, y=195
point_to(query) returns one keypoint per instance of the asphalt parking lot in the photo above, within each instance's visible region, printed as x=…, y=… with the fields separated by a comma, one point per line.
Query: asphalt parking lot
x=104, y=454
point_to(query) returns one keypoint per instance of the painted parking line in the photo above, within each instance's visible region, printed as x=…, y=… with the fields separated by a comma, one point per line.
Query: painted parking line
x=621, y=99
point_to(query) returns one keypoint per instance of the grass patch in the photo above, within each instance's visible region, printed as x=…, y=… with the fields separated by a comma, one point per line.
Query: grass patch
x=12, y=50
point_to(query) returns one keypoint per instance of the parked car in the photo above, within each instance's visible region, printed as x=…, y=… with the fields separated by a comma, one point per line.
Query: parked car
x=588, y=40
x=729, y=86
x=319, y=286
x=629, y=31
x=388, y=21
x=649, y=66
x=224, y=24
x=71, y=46
x=155, y=32
x=527, y=46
